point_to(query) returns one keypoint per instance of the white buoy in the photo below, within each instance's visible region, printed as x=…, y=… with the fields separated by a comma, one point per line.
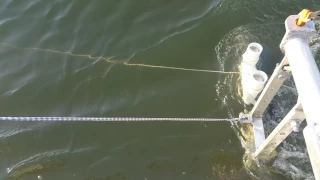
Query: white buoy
x=252, y=54
x=252, y=80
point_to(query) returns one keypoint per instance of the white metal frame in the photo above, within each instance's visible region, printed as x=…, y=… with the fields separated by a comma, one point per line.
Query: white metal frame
x=300, y=62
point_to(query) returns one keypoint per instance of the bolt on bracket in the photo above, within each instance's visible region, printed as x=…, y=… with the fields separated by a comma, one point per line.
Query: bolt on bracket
x=295, y=125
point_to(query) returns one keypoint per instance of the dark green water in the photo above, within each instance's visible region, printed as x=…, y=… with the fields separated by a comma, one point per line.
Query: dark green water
x=206, y=34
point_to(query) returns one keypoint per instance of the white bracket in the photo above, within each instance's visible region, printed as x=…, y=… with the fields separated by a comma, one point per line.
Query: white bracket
x=280, y=133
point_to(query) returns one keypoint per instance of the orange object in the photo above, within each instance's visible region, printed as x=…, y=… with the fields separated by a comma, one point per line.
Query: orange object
x=304, y=17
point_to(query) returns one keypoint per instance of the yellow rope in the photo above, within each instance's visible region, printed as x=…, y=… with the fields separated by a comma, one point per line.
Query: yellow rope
x=177, y=68
x=115, y=61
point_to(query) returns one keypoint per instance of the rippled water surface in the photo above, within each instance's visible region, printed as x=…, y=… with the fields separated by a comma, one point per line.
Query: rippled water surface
x=68, y=58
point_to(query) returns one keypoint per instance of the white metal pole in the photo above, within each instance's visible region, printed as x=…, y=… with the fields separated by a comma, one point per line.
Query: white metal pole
x=306, y=76
x=307, y=79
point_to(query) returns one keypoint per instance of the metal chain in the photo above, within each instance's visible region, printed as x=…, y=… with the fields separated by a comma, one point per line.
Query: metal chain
x=111, y=119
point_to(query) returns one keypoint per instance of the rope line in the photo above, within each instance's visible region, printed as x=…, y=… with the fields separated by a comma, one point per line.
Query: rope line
x=114, y=119
x=292, y=88
x=109, y=60
x=177, y=68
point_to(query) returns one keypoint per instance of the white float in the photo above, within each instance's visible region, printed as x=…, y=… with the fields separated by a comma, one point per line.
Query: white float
x=252, y=80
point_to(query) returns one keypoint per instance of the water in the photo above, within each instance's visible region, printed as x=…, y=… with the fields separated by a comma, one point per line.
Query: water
x=211, y=34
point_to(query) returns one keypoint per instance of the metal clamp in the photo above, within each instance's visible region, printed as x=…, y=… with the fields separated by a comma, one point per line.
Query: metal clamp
x=245, y=118
x=307, y=31
x=286, y=68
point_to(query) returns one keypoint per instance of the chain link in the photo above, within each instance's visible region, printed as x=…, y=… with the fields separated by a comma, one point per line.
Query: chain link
x=110, y=119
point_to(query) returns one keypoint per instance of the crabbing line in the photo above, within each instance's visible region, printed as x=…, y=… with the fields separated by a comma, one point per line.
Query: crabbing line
x=109, y=60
